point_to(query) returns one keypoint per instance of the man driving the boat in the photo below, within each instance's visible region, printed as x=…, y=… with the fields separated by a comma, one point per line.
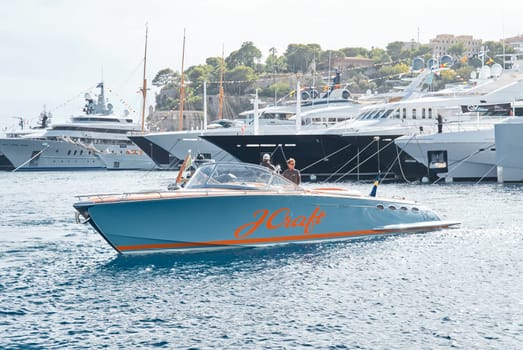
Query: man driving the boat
x=266, y=162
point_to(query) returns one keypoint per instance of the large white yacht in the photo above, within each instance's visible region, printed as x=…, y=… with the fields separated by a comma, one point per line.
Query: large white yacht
x=468, y=150
x=96, y=139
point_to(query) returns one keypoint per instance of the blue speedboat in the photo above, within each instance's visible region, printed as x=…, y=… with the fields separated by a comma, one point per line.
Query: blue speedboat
x=243, y=205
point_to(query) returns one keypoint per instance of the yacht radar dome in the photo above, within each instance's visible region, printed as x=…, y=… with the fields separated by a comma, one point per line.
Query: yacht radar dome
x=496, y=70
x=484, y=72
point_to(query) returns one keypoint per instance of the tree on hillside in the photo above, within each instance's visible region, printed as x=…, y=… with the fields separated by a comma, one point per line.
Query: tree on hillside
x=248, y=55
x=423, y=51
x=379, y=55
x=360, y=83
x=239, y=80
x=456, y=50
x=276, y=90
x=325, y=61
x=355, y=52
x=275, y=63
x=497, y=48
x=300, y=56
x=168, y=82
x=389, y=71
x=394, y=50
x=196, y=75
x=165, y=77
x=216, y=64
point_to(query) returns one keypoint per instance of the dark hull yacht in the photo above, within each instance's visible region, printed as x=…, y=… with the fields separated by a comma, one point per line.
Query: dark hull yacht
x=322, y=157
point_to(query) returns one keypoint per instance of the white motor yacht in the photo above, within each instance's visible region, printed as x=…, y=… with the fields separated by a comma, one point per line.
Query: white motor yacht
x=466, y=150
x=96, y=139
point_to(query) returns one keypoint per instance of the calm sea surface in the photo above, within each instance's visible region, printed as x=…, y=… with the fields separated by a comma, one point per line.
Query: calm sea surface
x=63, y=287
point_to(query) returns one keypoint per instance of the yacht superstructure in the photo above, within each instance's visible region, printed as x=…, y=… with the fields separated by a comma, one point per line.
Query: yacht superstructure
x=96, y=139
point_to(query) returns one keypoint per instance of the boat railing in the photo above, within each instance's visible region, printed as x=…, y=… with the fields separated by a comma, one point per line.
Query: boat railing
x=105, y=196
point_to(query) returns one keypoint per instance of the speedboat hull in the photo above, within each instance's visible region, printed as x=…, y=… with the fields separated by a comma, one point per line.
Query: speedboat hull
x=207, y=220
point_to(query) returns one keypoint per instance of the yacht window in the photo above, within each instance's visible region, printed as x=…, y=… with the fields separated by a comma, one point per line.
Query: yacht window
x=423, y=113
x=364, y=115
x=379, y=114
x=376, y=115
x=83, y=128
x=413, y=113
x=396, y=114
x=430, y=113
x=386, y=114
x=370, y=114
x=69, y=152
x=404, y=113
x=75, y=152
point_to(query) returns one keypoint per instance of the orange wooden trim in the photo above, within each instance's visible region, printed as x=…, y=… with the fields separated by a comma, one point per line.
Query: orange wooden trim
x=328, y=189
x=277, y=239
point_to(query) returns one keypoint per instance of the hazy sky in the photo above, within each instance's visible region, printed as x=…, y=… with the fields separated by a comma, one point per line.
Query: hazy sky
x=52, y=51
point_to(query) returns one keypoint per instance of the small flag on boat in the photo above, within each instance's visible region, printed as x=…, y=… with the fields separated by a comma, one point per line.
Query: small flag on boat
x=374, y=187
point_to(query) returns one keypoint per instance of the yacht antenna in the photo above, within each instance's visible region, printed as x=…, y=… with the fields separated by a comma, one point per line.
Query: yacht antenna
x=273, y=51
x=330, y=82
x=220, y=96
x=182, y=86
x=503, y=43
x=144, y=86
x=204, y=105
x=298, y=106
x=256, y=124
x=313, y=76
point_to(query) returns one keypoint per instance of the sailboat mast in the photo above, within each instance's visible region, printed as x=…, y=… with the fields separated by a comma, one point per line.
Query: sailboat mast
x=182, y=87
x=144, y=86
x=220, y=96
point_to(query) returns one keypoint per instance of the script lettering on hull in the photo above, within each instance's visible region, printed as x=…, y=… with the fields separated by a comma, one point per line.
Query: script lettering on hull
x=280, y=218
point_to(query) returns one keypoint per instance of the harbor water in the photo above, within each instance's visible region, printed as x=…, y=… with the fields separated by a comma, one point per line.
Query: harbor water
x=63, y=287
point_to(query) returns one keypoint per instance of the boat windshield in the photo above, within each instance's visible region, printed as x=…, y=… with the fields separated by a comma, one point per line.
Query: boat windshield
x=238, y=176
